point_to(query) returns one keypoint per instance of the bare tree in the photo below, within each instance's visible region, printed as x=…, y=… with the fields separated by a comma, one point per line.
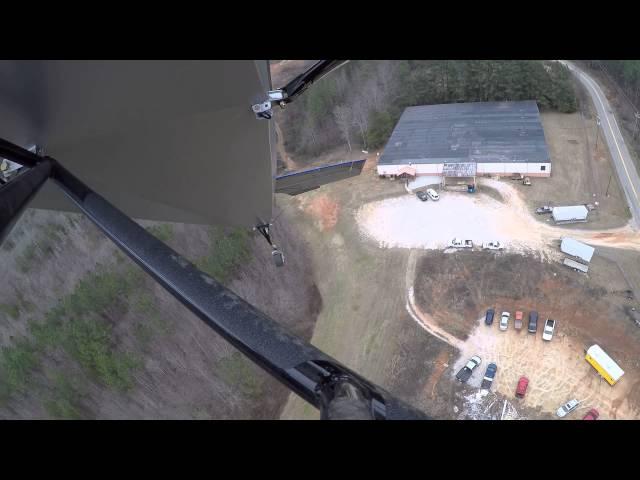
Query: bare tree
x=373, y=94
x=342, y=82
x=361, y=117
x=386, y=76
x=344, y=121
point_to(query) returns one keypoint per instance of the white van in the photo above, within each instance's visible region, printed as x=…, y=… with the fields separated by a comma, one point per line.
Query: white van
x=433, y=195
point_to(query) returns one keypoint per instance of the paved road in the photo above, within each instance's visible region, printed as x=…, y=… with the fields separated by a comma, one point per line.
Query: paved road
x=622, y=160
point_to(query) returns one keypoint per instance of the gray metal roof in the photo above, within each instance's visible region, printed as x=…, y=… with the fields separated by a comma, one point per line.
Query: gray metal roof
x=485, y=132
x=577, y=249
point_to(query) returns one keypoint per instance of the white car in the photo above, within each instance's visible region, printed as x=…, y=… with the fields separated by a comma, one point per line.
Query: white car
x=549, y=327
x=504, y=321
x=493, y=245
x=433, y=195
x=567, y=408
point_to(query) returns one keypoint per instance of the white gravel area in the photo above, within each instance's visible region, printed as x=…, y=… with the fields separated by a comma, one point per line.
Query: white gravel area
x=407, y=222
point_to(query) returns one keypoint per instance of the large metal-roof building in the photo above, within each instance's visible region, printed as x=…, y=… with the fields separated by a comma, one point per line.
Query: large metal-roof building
x=501, y=138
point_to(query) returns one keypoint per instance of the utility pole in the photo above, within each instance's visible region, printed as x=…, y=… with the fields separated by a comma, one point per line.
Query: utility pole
x=597, y=130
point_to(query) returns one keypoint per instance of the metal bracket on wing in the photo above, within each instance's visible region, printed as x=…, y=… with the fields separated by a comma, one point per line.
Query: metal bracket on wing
x=295, y=87
x=263, y=109
x=276, y=253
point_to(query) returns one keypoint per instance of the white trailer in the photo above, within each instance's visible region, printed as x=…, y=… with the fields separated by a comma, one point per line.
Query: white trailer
x=570, y=214
x=575, y=265
x=577, y=249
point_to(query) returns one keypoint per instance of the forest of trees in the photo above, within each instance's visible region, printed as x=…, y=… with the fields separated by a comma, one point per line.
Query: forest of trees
x=359, y=104
x=627, y=74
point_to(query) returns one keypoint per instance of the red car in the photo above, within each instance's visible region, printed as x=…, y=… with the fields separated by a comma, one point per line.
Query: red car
x=591, y=415
x=521, y=389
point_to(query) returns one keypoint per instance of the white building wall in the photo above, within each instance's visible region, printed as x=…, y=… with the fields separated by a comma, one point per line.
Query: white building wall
x=532, y=169
x=421, y=169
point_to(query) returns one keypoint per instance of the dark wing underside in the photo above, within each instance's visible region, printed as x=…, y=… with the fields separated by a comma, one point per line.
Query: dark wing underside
x=162, y=140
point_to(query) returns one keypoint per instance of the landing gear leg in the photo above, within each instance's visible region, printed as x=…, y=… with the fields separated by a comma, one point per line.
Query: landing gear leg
x=276, y=254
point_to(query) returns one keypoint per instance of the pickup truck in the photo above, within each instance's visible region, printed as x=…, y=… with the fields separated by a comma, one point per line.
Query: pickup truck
x=493, y=245
x=549, y=327
x=567, y=408
x=489, y=375
x=543, y=210
x=518, y=320
x=465, y=372
x=458, y=243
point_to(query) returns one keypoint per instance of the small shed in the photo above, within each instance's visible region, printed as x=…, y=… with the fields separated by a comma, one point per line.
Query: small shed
x=570, y=214
x=577, y=249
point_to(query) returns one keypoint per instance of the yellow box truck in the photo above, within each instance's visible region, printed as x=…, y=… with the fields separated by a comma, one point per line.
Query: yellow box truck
x=604, y=364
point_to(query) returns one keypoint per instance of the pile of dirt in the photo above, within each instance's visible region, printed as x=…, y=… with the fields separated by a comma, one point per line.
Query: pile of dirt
x=324, y=210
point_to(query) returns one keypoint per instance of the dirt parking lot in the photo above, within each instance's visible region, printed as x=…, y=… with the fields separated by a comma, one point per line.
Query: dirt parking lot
x=586, y=314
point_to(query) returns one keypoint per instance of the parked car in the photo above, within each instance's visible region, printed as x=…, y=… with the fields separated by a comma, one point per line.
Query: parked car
x=518, y=320
x=488, y=318
x=549, y=327
x=533, y=322
x=422, y=195
x=504, y=321
x=433, y=195
x=521, y=389
x=526, y=181
x=592, y=414
x=459, y=243
x=493, y=245
x=489, y=375
x=465, y=372
x=543, y=210
x=567, y=408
